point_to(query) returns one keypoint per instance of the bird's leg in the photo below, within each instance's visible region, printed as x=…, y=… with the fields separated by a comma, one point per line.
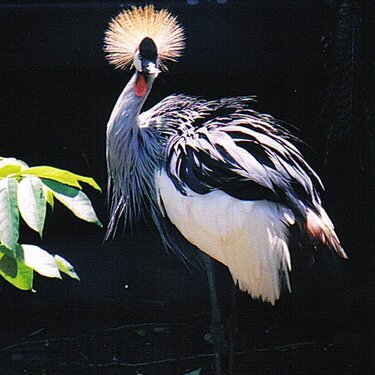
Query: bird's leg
x=218, y=334
x=232, y=328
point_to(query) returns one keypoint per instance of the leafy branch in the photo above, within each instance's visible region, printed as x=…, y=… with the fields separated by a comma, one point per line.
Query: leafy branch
x=25, y=192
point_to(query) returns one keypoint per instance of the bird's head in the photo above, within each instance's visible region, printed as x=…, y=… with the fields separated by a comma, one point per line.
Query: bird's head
x=144, y=38
x=146, y=57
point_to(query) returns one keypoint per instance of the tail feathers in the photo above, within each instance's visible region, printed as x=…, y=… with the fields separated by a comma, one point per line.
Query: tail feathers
x=257, y=255
x=320, y=226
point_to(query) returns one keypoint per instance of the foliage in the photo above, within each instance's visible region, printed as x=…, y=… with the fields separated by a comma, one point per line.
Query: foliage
x=25, y=192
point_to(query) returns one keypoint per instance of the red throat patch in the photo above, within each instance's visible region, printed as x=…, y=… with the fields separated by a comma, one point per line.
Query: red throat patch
x=140, y=87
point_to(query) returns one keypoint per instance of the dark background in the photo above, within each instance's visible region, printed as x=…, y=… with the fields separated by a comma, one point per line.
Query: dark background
x=57, y=92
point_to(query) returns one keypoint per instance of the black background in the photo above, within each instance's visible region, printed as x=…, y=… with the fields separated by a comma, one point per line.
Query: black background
x=57, y=92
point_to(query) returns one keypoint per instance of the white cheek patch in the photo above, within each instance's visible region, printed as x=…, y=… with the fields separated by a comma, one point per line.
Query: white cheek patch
x=137, y=62
x=152, y=69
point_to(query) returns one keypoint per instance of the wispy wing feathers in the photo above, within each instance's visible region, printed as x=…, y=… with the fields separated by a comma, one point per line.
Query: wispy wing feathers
x=225, y=145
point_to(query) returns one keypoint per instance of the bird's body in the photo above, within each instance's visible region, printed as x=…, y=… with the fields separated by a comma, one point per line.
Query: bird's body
x=215, y=175
x=229, y=179
x=250, y=237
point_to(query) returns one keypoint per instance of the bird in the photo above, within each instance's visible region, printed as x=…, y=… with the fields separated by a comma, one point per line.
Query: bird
x=217, y=177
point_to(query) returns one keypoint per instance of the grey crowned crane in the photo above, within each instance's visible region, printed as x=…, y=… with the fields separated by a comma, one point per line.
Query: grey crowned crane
x=215, y=175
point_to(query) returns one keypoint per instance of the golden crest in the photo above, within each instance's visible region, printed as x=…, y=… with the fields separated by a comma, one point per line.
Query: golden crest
x=131, y=26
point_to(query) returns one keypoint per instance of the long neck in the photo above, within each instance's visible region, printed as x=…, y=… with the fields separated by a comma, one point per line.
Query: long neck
x=129, y=104
x=130, y=162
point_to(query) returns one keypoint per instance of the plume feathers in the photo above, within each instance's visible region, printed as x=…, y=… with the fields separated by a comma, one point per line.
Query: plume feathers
x=131, y=26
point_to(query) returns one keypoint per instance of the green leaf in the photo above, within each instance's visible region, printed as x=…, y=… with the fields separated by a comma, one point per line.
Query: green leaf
x=60, y=175
x=32, y=203
x=12, y=161
x=65, y=267
x=75, y=200
x=15, y=272
x=9, y=169
x=8, y=262
x=9, y=215
x=39, y=260
x=49, y=196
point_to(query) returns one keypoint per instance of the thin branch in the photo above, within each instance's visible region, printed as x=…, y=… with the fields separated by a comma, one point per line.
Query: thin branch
x=21, y=343
x=287, y=347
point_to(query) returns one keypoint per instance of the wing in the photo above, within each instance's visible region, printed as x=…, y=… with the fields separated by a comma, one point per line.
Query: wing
x=225, y=145
x=174, y=114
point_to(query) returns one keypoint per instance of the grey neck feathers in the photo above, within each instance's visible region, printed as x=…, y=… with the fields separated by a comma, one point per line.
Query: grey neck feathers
x=132, y=156
x=128, y=106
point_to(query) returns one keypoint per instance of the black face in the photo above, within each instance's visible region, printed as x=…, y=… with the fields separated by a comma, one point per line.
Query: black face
x=148, y=49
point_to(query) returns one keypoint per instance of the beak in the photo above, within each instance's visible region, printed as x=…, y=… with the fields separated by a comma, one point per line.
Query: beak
x=149, y=66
